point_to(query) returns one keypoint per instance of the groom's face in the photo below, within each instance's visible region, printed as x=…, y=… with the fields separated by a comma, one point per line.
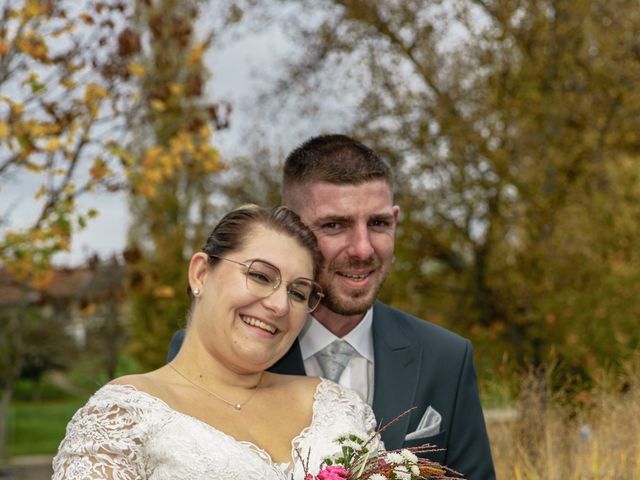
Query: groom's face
x=355, y=227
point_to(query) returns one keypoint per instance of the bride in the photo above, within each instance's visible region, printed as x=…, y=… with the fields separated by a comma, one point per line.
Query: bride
x=214, y=412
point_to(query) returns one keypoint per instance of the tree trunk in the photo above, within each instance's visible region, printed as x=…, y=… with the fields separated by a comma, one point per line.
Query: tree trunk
x=5, y=401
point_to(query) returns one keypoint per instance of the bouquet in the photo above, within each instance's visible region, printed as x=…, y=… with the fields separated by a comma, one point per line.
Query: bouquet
x=356, y=461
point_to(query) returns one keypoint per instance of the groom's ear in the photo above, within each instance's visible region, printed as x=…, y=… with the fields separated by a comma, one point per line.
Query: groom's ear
x=198, y=270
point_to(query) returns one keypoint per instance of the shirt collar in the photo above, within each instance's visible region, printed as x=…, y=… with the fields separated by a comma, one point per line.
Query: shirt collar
x=314, y=337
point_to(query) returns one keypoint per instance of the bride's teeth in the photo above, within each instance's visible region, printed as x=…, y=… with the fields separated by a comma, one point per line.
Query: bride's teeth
x=254, y=322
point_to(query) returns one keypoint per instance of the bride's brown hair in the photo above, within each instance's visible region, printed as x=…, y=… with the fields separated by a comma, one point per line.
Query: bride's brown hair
x=234, y=228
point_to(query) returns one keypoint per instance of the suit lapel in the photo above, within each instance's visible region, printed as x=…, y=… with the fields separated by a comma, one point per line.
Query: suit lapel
x=397, y=368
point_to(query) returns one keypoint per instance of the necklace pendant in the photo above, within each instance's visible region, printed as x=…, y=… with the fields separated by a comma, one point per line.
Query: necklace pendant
x=238, y=406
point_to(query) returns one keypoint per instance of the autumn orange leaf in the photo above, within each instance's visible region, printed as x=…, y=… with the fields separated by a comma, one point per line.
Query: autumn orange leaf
x=136, y=69
x=99, y=170
x=4, y=129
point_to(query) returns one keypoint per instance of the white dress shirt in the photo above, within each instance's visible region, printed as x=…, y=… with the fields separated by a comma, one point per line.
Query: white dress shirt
x=358, y=374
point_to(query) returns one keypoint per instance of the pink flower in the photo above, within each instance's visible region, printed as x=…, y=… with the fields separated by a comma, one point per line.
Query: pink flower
x=333, y=472
x=309, y=477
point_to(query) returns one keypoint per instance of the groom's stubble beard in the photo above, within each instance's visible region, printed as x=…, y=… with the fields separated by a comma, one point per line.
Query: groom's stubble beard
x=354, y=301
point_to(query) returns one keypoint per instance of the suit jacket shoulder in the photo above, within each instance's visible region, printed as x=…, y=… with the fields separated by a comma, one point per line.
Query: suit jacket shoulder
x=418, y=331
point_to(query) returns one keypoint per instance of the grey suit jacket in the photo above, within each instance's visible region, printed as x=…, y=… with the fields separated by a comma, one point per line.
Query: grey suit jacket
x=418, y=364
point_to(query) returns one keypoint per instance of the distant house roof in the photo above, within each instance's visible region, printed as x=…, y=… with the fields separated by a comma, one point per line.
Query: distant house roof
x=95, y=282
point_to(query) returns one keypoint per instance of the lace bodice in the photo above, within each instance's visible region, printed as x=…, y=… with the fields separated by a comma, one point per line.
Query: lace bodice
x=123, y=433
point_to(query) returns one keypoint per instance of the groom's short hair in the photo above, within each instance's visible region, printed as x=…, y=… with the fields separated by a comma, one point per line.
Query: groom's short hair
x=336, y=159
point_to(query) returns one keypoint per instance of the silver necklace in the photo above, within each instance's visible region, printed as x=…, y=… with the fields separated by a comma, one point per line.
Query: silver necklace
x=237, y=406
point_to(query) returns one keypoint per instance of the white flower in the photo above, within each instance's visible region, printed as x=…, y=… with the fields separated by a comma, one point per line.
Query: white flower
x=410, y=456
x=402, y=473
x=351, y=444
x=344, y=436
x=415, y=470
x=395, y=458
x=377, y=476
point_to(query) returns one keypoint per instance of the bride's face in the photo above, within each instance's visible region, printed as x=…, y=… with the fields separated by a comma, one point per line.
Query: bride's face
x=242, y=330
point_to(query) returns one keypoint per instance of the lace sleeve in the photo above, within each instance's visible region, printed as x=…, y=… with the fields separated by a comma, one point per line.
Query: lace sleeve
x=361, y=412
x=103, y=440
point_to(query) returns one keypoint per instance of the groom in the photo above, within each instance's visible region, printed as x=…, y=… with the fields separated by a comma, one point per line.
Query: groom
x=343, y=191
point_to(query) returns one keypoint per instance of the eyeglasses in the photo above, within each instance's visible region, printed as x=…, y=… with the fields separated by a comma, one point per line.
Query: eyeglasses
x=263, y=279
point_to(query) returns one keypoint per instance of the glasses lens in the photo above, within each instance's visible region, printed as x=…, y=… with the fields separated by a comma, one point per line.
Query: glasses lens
x=262, y=278
x=304, y=295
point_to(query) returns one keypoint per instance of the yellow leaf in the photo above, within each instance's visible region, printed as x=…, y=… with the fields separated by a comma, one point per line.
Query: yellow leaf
x=33, y=9
x=64, y=243
x=41, y=129
x=151, y=156
x=88, y=19
x=164, y=291
x=195, y=55
x=68, y=83
x=152, y=176
x=41, y=192
x=136, y=69
x=158, y=105
x=34, y=167
x=65, y=29
x=93, y=95
x=52, y=145
x=176, y=89
x=147, y=190
x=94, y=92
x=99, y=170
x=4, y=129
x=33, y=45
x=17, y=109
x=4, y=48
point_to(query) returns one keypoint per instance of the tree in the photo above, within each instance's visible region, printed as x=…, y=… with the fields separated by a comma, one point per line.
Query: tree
x=172, y=216
x=59, y=97
x=513, y=129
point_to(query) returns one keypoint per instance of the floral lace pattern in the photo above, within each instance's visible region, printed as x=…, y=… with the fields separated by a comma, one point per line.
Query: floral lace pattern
x=123, y=434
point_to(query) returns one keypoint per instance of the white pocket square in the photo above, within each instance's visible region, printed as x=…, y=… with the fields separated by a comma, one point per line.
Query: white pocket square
x=429, y=425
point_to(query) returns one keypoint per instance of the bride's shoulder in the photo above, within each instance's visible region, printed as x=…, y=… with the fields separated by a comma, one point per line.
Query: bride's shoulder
x=295, y=386
x=294, y=382
x=153, y=383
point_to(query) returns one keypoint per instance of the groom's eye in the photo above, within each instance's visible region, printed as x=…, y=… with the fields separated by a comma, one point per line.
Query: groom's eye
x=332, y=227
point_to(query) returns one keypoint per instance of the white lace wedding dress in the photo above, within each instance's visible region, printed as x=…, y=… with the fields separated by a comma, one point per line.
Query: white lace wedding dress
x=125, y=434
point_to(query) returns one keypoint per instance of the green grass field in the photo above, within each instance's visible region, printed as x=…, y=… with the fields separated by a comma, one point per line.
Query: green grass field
x=38, y=427
x=40, y=410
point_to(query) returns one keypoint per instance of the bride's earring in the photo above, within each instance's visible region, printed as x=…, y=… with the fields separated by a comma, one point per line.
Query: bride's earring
x=196, y=292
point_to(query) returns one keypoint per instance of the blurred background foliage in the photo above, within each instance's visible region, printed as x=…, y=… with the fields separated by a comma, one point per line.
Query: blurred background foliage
x=512, y=126
x=513, y=130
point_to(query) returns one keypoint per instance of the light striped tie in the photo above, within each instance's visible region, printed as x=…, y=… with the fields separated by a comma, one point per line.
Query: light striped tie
x=334, y=358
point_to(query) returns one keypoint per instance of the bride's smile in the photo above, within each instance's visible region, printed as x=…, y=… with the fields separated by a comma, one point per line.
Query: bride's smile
x=260, y=324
